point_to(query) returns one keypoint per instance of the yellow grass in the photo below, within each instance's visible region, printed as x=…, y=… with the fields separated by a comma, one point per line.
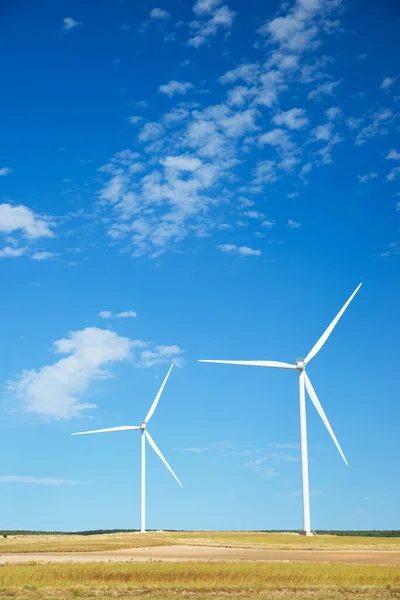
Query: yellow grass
x=200, y=580
x=79, y=543
x=216, y=575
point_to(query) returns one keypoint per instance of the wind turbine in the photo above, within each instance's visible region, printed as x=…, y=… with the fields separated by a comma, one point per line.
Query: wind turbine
x=145, y=435
x=304, y=382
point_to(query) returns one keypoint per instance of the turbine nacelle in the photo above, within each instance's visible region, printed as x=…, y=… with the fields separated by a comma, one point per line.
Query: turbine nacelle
x=300, y=363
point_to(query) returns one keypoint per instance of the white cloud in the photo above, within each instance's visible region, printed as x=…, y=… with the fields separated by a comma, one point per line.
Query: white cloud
x=353, y=123
x=126, y=314
x=365, y=178
x=293, y=119
x=253, y=214
x=265, y=172
x=293, y=224
x=214, y=18
x=151, y=131
x=4, y=171
x=70, y=23
x=43, y=255
x=387, y=83
x=176, y=87
x=236, y=125
x=247, y=72
x=159, y=13
x=105, y=314
x=54, y=390
x=394, y=174
x=12, y=252
x=134, y=119
x=278, y=138
x=393, y=155
x=323, y=132
x=324, y=89
x=160, y=355
x=204, y=7
x=24, y=220
x=29, y=479
x=333, y=112
x=299, y=29
x=377, y=127
x=268, y=224
x=173, y=199
x=240, y=250
x=181, y=163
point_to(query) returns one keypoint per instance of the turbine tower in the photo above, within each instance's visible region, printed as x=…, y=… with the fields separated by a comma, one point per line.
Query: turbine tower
x=304, y=384
x=144, y=436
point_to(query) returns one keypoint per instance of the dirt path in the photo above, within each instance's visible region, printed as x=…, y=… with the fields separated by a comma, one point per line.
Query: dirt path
x=186, y=553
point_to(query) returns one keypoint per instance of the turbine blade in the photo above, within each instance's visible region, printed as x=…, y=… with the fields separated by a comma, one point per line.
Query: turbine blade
x=322, y=414
x=329, y=330
x=122, y=428
x=158, y=452
x=253, y=363
x=156, y=399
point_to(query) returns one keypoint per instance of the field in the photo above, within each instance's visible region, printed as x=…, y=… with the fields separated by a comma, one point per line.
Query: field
x=241, y=580
x=143, y=574
x=240, y=539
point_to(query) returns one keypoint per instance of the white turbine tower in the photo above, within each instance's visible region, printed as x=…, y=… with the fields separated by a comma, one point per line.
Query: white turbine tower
x=304, y=382
x=145, y=435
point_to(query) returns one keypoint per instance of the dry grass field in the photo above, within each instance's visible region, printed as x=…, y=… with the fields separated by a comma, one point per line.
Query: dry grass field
x=196, y=581
x=240, y=539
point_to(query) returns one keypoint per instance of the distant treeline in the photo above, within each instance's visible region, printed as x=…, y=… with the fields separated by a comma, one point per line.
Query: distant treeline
x=362, y=533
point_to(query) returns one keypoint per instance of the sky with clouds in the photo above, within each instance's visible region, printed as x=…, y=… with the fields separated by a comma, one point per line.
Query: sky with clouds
x=198, y=180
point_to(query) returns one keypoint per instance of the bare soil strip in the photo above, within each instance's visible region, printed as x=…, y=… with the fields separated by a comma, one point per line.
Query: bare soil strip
x=207, y=553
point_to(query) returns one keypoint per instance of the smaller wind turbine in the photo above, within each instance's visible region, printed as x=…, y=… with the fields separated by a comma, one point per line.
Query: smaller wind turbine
x=145, y=435
x=304, y=384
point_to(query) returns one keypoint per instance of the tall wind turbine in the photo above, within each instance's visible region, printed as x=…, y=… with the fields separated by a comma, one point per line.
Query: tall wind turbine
x=304, y=383
x=145, y=435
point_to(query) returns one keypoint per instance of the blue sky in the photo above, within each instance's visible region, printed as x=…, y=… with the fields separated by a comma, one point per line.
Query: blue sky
x=182, y=181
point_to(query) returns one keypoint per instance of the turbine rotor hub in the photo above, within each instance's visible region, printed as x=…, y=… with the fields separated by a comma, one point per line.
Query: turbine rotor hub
x=300, y=364
x=143, y=425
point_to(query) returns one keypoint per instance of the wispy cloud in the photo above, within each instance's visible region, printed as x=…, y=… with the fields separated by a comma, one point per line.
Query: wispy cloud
x=4, y=171
x=293, y=224
x=70, y=23
x=182, y=174
x=324, y=89
x=240, y=250
x=29, y=479
x=387, y=83
x=176, y=87
x=125, y=314
x=393, y=155
x=376, y=128
x=43, y=255
x=293, y=119
x=211, y=15
x=210, y=447
x=394, y=174
x=159, y=13
x=367, y=177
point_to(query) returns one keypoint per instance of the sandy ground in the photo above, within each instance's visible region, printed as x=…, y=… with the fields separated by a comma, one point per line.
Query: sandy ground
x=186, y=553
